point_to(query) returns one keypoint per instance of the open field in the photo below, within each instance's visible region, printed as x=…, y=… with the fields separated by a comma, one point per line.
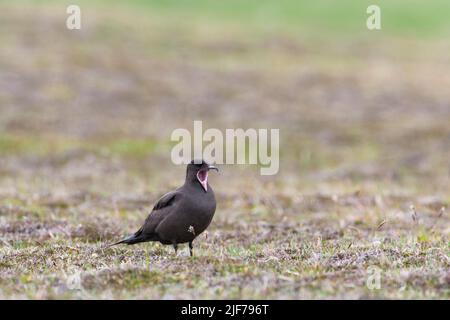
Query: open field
x=85, y=124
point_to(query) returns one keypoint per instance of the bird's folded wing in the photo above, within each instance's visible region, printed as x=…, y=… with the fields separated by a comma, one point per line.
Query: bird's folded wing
x=160, y=211
x=166, y=200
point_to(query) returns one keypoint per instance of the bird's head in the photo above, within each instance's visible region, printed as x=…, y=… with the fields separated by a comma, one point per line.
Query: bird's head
x=198, y=170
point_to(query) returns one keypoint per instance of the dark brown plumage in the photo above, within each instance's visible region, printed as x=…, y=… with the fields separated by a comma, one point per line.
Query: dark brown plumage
x=180, y=215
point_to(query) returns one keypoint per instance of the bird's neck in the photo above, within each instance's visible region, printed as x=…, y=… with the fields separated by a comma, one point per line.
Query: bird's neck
x=195, y=186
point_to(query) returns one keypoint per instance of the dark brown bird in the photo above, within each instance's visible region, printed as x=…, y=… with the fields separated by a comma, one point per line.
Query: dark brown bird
x=180, y=215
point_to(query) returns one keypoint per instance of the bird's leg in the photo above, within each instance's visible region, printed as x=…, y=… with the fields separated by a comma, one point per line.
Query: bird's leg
x=175, y=246
x=191, y=248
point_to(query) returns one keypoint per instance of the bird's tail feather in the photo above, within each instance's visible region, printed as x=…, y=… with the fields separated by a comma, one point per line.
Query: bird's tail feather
x=135, y=238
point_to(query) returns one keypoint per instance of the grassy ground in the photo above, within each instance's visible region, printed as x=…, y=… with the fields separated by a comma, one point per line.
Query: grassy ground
x=86, y=119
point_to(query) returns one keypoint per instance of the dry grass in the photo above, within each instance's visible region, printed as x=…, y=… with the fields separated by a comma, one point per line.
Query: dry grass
x=84, y=145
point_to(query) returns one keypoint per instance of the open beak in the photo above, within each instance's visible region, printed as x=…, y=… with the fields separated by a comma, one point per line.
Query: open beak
x=213, y=168
x=202, y=176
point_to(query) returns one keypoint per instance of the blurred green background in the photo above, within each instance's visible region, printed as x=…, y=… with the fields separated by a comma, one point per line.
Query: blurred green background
x=327, y=17
x=343, y=96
